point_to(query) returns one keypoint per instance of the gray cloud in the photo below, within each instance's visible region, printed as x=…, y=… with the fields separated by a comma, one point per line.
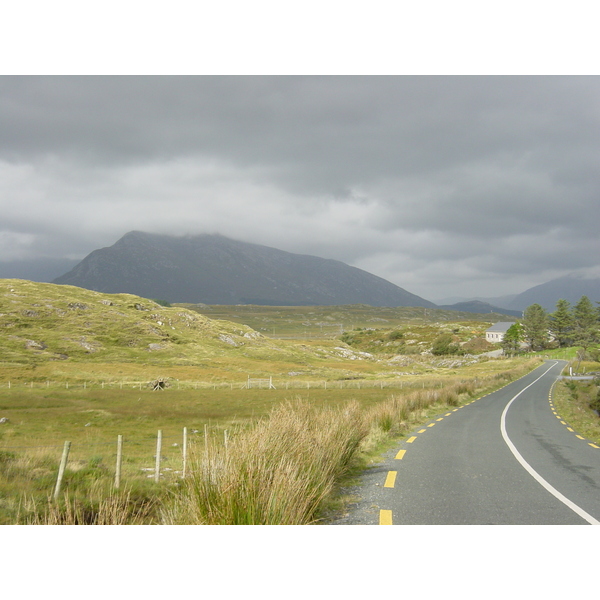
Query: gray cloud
x=443, y=185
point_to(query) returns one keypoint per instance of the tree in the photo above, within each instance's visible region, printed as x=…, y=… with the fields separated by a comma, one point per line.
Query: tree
x=561, y=323
x=585, y=324
x=535, y=326
x=512, y=338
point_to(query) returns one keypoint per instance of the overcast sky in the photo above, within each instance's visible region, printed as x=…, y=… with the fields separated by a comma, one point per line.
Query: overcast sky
x=444, y=185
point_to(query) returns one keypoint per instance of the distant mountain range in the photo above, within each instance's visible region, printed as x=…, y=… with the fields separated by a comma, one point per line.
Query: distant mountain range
x=479, y=307
x=43, y=270
x=570, y=287
x=213, y=269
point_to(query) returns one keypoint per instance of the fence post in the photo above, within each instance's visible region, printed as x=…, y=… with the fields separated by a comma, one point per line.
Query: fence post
x=206, y=440
x=184, y=451
x=119, y=460
x=61, y=469
x=158, y=451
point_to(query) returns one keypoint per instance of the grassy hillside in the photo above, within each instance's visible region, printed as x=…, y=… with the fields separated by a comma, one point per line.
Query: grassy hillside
x=65, y=332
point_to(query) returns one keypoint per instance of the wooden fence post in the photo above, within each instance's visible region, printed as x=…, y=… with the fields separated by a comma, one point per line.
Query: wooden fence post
x=206, y=440
x=184, y=452
x=158, y=451
x=61, y=469
x=119, y=461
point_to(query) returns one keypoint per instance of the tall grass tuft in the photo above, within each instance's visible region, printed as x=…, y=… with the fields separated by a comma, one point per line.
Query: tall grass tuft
x=100, y=508
x=280, y=472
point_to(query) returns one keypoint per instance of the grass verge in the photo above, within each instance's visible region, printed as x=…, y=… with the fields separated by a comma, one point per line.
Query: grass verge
x=284, y=468
x=573, y=401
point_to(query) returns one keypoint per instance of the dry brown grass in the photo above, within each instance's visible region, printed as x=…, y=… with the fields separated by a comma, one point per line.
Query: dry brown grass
x=277, y=473
x=101, y=507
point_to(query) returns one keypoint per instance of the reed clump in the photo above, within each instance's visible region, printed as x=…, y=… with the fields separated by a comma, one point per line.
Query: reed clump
x=100, y=507
x=279, y=472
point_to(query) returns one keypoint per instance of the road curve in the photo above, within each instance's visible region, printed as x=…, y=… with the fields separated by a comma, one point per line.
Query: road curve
x=506, y=458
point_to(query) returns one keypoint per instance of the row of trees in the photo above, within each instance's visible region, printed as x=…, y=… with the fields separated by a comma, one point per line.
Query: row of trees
x=577, y=325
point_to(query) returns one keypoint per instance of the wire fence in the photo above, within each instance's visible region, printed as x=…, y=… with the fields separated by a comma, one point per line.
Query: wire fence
x=250, y=383
x=159, y=457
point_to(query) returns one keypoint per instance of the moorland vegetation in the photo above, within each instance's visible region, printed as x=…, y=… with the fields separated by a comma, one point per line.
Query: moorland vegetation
x=349, y=381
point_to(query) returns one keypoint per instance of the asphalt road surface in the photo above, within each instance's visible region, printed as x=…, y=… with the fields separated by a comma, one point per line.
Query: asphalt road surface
x=507, y=458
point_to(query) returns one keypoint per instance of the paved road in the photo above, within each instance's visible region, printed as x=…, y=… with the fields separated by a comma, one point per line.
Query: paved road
x=507, y=458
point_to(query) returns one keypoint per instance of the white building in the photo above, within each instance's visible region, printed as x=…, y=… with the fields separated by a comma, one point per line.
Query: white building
x=495, y=333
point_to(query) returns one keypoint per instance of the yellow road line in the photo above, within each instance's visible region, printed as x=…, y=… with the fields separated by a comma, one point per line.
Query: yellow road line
x=422, y=430
x=431, y=425
x=390, y=480
x=581, y=438
x=401, y=454
x=594, y=445
x=385, y=517
x=570, y=429
x=440, y=419
x=411, y=439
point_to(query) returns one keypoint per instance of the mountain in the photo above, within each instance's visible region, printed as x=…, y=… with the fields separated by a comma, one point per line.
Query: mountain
x=213, y=269
x=476, y=306
x=496, y=301
x=43, y=270
x=570, y=287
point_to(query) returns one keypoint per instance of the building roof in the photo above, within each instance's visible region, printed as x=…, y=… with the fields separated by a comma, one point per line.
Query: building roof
x=500, y=327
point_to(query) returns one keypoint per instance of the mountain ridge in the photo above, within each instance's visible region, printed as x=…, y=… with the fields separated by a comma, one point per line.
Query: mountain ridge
x=569, y=287
x=479, y=307
x=214, y=269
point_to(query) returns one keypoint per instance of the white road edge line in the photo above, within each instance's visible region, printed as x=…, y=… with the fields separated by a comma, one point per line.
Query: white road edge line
x=584, y=515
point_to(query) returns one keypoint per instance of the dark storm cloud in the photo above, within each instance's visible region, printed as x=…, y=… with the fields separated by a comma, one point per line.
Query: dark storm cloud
x=453, y=180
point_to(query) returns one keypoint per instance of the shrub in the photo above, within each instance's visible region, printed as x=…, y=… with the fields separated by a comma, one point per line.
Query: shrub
x=395, y=335
x=444, y=344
